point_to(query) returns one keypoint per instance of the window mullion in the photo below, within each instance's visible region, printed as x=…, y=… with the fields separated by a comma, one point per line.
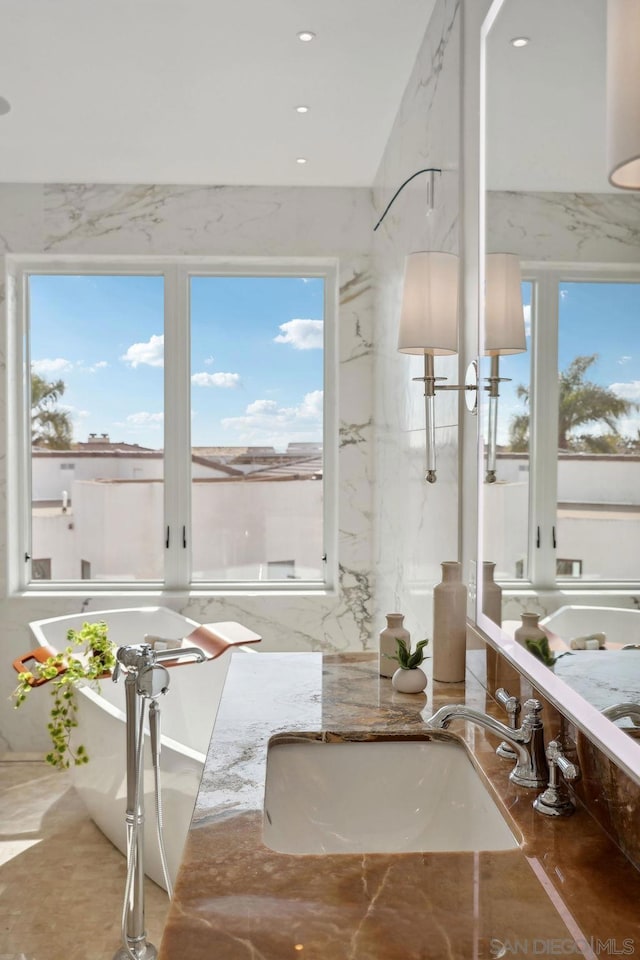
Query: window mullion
x=544, y=432
x=19, y=440
x=177, y=429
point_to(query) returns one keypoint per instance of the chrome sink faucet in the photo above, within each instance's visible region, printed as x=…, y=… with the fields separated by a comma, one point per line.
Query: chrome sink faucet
x=527, y=740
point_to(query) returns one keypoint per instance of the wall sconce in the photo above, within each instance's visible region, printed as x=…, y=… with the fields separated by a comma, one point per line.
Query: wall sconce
x=503, y=333
x=429, y=326
x=623, y=93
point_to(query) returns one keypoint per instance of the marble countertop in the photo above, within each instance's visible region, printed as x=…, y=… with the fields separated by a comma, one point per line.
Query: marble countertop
x=567, y=890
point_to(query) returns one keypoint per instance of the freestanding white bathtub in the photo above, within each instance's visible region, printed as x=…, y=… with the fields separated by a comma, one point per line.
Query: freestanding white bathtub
x=620, y=624
x=188, y=712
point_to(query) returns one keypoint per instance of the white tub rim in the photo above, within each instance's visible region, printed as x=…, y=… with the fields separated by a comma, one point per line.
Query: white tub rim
x=85, y=688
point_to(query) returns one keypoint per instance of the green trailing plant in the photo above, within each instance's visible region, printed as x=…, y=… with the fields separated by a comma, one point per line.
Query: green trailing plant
x=542, y=651
x=404, y=657
x=87, y=657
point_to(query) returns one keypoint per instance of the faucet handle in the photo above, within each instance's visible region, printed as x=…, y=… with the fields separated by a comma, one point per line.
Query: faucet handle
x=512, y=707
x=555, y=800
x=532, y=710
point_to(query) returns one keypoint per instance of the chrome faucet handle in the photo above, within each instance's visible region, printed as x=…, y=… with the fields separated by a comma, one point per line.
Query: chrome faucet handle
x=536, y=774
x=512, y=706
x=555, y=800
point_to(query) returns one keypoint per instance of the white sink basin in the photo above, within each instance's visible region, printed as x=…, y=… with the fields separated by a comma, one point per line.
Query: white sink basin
x=378, y=796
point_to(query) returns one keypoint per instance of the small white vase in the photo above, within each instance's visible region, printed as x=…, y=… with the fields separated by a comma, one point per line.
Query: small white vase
x=388, y=647
x=529, y=629
x=409, y=681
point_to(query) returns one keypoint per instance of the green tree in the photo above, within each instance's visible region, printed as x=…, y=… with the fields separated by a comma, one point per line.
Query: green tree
x=50, y=426
x=580, y=402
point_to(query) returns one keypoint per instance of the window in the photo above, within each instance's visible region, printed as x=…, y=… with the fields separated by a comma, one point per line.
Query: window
x=572, y=412
x=174, y=427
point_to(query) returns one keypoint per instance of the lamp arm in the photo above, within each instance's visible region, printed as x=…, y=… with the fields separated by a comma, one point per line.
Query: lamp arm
x=431, y=170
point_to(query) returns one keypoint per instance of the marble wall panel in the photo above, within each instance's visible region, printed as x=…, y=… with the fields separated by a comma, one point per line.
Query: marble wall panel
x=584, y=227
x=416, y=524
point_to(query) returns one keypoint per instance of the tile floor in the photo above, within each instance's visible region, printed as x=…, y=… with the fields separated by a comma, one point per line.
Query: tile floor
x=61, y=880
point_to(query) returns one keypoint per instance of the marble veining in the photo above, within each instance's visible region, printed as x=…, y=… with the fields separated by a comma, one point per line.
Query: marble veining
x=236, y=898
x=597, y=227
x=209, y=220
x=355, y=587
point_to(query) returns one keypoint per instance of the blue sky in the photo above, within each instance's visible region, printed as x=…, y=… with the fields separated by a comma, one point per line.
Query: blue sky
x=595, y=318
x=256, y=356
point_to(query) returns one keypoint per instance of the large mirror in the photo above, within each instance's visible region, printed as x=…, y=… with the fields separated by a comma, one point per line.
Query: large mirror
x=560, y=517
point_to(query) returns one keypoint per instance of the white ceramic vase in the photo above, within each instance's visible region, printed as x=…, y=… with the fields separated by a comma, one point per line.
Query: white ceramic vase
x=409, y=681
x=450, y=625
x=529, y=629
x=388, y=646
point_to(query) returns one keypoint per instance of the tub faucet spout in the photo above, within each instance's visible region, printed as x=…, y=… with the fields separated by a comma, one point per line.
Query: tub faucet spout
x=531, y=768
x=180, y=653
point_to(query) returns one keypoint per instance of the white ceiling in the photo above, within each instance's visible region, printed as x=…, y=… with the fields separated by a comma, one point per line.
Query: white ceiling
x=202, y=91
x=546, y=101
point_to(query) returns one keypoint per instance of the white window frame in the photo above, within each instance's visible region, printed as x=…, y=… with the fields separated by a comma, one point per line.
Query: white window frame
x=177, y=272
x=546, y=277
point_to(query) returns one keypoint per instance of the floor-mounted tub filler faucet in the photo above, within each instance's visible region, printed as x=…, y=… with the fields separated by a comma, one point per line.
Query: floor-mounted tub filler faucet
x=527, y=740
x=145, y=679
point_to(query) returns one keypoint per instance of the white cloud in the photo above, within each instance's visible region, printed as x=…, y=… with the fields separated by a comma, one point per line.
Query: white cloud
x=100, y=365
x=209, y=361
x=629, y=427
x=301, y=334
x=267, y=422
x=624, y=359
x=262, y=408
x=226, y=380
x=144, y=419
x=50, y=366
x=150, y=353
x=628, y=391
x=527, y=319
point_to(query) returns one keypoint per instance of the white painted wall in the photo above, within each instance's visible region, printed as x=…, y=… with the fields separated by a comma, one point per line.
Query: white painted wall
x=51, y=474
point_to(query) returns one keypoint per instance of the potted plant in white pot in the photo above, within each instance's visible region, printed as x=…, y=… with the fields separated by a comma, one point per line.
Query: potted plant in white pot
x=409, y=677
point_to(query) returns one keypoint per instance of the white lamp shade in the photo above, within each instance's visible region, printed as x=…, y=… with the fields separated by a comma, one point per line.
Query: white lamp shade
x=623, y=93
x=503, y=310
x=429, y=317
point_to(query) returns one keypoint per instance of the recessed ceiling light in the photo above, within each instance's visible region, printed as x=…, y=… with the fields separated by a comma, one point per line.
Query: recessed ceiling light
x=302, y=109
x=301, y=160
x=520, y=41
x=306, y=36
x=5, y=106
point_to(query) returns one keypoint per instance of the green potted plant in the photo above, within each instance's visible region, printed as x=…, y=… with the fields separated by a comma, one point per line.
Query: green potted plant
x=88, y=656
x=539, y=647
x=409, y=677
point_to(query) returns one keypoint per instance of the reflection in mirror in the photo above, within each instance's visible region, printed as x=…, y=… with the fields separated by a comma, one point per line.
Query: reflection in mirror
x=564, y=511
x=504, y=335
